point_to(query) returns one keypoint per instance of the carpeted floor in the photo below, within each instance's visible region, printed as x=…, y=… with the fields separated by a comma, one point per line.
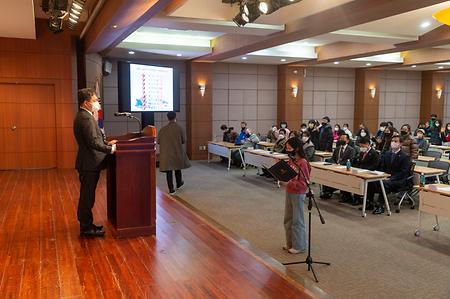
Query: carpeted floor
x=375, y=257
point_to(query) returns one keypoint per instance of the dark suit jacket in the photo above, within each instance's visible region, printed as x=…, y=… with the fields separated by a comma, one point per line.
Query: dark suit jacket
x=326, y=138
x=92, y=148
x=369, y=160
x=348, y=154
x=397, y=165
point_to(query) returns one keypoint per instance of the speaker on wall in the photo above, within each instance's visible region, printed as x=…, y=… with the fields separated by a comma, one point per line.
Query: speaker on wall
x=107, y=67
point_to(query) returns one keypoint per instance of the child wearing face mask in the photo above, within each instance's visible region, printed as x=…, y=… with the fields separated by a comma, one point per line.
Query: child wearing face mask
x=422, y=143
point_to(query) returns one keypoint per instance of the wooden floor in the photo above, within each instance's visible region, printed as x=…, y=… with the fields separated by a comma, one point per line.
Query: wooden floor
x=42, y=255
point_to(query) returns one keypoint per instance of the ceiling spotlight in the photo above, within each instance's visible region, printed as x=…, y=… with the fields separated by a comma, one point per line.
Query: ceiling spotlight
x=413, y=66
x=336, y=62
x=114, y=26
x=441, y=67
x=75, y=12
x=179, y=54
x=368, y=64
x=131, y=52
x=283, y=59
x=425, y=24
x=239, y=20
x=244, y=58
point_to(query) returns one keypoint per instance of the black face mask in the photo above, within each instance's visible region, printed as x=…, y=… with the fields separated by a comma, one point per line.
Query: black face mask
x=291, y=154
x=403, y=132
x=340, y=142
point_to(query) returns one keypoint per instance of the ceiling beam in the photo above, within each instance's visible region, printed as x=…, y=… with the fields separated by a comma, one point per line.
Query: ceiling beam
x=127, y=15
x=173, y=6
x=344, y=16
x=426, y=56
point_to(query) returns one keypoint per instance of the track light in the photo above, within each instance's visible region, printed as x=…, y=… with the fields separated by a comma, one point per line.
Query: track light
x=75, y=12
x=263, y=6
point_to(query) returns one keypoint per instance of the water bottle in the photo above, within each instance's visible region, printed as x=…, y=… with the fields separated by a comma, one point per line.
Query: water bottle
x=348, y=165
x=422, y=180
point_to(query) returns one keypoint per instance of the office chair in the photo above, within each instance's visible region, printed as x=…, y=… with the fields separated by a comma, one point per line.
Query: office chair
x=440, y=165
x=434, y=154
x=407, y=190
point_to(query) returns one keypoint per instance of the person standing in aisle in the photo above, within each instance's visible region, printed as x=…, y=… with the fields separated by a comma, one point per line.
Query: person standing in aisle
x=172, y=156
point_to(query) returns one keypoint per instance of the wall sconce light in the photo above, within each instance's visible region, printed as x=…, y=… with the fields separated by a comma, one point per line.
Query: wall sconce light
x=373, y=92
x=438, y=93
x=202, y=88
x=294, y=91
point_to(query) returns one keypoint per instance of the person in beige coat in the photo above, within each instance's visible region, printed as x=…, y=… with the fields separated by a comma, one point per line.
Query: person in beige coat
x=172, y=156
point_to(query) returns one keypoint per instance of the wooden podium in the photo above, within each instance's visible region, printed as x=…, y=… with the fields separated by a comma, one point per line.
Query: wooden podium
x=131, y=185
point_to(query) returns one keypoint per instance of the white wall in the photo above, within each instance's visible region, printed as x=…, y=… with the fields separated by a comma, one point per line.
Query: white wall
x=244, y=92
x=329, y=92
x=400, y=97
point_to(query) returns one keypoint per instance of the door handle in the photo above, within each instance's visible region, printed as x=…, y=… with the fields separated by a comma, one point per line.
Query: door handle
x=13, y=128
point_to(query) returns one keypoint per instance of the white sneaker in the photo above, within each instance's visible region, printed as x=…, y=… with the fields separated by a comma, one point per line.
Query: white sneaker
x=285, y=247
x=295, y=251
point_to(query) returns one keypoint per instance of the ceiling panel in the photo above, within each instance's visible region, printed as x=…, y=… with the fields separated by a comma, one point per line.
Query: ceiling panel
x=17, y=19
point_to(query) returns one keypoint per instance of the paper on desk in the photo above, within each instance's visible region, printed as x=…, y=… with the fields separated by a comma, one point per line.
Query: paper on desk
x=444, y=189
x=375, y=172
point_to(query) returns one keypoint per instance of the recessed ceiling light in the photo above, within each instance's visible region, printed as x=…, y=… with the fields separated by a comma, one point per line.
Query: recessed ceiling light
x=179, y=54
x=441, y=67
x=131, y=52
x=414, y=66
x=336, y=62
x=283, y=60
x=244, y=58
x=114, y=26
x=368, y=64
x=425, y=24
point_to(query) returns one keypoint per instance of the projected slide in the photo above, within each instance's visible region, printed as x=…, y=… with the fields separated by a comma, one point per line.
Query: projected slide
x=151, y=88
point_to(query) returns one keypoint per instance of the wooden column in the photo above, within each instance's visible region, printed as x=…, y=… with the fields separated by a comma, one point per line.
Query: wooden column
x=366, y=106
x=429, y=102
x=290, y=107
x=198, y=109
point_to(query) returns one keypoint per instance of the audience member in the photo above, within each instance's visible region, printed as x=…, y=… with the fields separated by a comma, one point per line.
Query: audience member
x=313, y=133
x=336, y=130
x=422, y=143
x=326, y=135
x=420, y=126
x=362, y=133
x=308, y=146
x=227, y=133
x=343, y=153
x=385, y=145
x=396, y=163
x=445, y=133
x=243, y=135
x=280, y=143
x=434, y=132
x=409, y=145
x=272, y=135
x=303, y=127
x=347, y=131
x=295, y=134
x=284, y=125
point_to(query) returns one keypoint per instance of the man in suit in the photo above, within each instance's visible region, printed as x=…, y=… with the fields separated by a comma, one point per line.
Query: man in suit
x=398, y=164
x=91, y=158
x=172, y=156
x=367, y=158
x=341, y=155
x=326, y=135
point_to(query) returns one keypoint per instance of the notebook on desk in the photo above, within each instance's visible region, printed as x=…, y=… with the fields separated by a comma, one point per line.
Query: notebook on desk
x=282, y=171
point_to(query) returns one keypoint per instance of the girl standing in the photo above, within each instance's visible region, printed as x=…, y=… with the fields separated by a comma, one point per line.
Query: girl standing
x=296, y=189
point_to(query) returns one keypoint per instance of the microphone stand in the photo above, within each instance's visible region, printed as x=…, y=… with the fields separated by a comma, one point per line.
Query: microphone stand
x=311, y=200
x=129, y=115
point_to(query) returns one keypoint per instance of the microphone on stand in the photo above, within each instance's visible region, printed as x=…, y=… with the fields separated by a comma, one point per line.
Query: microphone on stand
x=127, y=114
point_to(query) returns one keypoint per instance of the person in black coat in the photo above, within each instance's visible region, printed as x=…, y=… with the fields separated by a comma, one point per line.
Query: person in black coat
x=91, y=158
x=341, y=155
x=367, y=158
x=313, y=133
x=326, y=135
x=396, y=163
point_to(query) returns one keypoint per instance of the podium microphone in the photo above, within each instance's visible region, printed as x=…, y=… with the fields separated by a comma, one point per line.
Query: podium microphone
x=127, y=114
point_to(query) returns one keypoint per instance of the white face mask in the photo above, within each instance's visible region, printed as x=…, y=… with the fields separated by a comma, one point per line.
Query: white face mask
x=96, y=107
x=283, y=126
x=382, y=129
x=336, y=129
x=363, y=134
x=364, y=149
x=305, y=139
x=281, y=136
x=304, y=130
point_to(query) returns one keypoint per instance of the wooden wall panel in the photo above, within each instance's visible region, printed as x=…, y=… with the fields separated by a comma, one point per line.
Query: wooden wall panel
x=366, y=107
x=429, y=102
x=199, y=108
x=290, y=108
x=46, y=70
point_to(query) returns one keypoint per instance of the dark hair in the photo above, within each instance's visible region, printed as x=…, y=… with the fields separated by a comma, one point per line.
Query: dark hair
x=223, y=127
x=364, y=140
x=303, y=125
x=327, y=118
x=407, y=126
x=306, y=133
x=281, y=131
x=296, y=134
x=343, y=133
x=283, y=122
x=338, y=125
x=383, y=124
x=345, y=125
x=433, y=115
x=171, y=115
x=312, y=121
x=297, y=145
x=85, y=94
x=390, y=124
x=243, y=122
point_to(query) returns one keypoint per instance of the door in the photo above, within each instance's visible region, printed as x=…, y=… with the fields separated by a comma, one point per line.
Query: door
x=27, y=126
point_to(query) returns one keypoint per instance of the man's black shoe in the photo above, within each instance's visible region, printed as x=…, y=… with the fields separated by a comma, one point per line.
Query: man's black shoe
x=180, y=186
x=378, y=211
x=92, y=232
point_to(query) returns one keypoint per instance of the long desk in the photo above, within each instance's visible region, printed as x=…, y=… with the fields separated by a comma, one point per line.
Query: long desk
x=354, y=181
x=261, y=158
x=441, y=147
x=429, y=172
x=435, y=200
x=223, y=149
x=321, y=156
x=266, y=145
x=425, y=159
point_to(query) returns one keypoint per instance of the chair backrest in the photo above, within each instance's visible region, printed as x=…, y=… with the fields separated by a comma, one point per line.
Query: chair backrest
x=435, y=154
x=439, y=165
